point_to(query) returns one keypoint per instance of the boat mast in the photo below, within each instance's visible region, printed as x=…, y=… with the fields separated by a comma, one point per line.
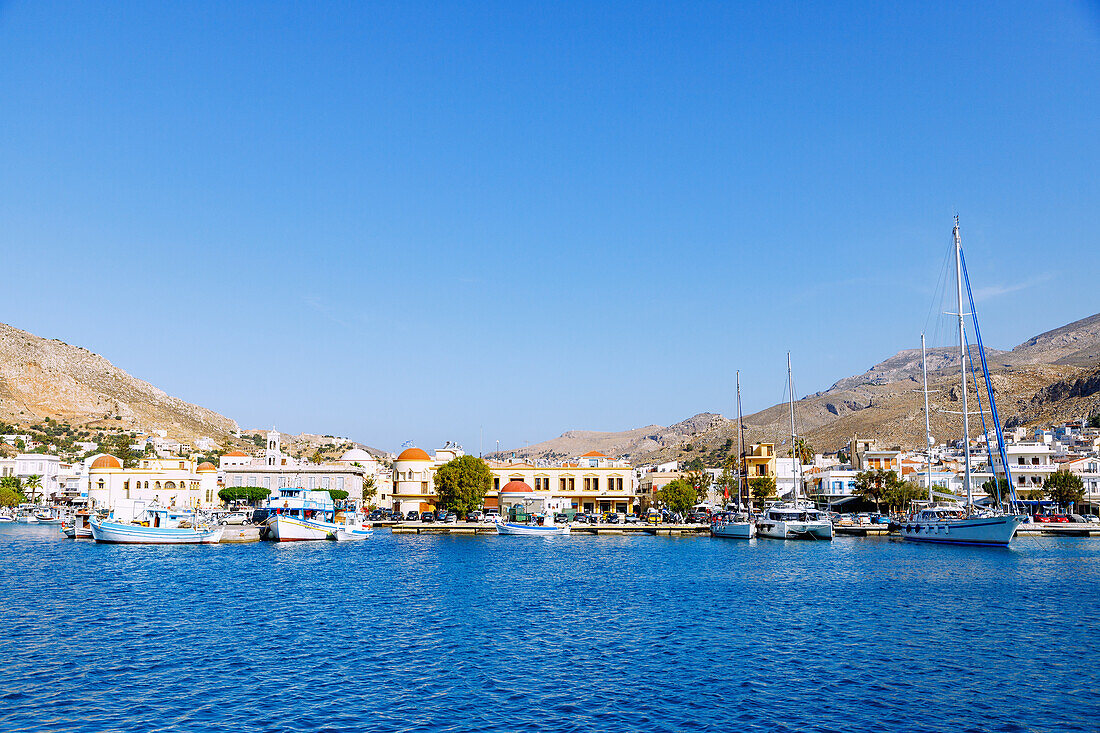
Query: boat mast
x=927, y=429
x=741, y=478
x=962, y=360
x=794, y=449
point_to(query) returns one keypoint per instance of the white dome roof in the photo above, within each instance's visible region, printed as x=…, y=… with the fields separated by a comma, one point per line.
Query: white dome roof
x=357, y=454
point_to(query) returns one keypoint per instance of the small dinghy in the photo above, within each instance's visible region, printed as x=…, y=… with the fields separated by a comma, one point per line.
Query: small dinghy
x=351, y=527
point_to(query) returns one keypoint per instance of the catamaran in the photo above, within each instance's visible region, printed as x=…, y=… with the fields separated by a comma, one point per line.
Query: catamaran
x=794, y=520
x=737, y=526
x=968, y=525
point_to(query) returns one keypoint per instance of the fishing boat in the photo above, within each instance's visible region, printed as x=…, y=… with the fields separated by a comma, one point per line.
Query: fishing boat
x=155, y=525
x=736, y=525
x=47, y=517
x=299, y=515
x=794, y=520
x=79, y=528
x=26, y=518
x=5, y=519
x=967, y=525
x=351, y=526
x=546, y=529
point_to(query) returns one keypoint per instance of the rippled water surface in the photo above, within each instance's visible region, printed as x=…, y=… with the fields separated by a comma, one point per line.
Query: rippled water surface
x=581, y=633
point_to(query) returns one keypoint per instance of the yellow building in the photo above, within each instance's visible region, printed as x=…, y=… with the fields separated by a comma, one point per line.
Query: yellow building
x=170, y=482
x=760, y=460
x=591, y=483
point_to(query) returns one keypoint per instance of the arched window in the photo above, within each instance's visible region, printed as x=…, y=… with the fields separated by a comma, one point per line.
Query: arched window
x=169, y=484
x=157, y=485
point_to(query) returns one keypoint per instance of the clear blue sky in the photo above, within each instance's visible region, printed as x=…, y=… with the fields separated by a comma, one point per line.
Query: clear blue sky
x=406, y=222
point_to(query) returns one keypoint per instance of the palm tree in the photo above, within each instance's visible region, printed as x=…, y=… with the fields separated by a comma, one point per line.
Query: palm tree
x=32, y=485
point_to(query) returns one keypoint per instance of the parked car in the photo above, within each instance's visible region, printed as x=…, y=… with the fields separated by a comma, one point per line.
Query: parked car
x=698, y=518
x=412, y=516
x=561, y=518
x=376, y=515
x=491, y=517
x=633, y=519
x=474, y=516
x=450, y=518
x=1059, y=518
x=235, y=518
x=613, y=518
x=427, y=516
x=1091, y=518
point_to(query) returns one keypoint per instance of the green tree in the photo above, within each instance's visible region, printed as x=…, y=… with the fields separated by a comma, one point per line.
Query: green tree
x=370, y=490
x=317, y=457
x=805, y=450
x=677, y=495
x=762, y=488
x=1094, y=421
x=33, y=485
x=695, y=464
x=900, y=497
x=250, y=494
x=875, y=485
x=461, y=484
x=727, y=480
x=10, y=496
x=1064, y=488
x=998, y=489
x=700, y=480
x=338, y=494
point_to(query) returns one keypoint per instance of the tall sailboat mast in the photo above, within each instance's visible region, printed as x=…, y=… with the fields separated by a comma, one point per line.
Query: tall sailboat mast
x=742, y=480
x=927, y=429
x=962, y=360
x=794, y=449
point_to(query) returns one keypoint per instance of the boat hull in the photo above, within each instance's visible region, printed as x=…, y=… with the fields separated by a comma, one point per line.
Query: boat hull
x=978, y=531
x=351, y=534
x=508, y=528
x=132, y=534
x=733, y=530
x=282, y=528
x=783, y=530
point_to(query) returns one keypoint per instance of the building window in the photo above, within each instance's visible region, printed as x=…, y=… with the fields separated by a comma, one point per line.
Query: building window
x=496, y=483
x=312, y=482
x=324, y=483
x=267, y=482
x=340, y=483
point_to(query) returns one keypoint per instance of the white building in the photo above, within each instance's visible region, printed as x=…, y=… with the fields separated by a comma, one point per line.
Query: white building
x=173, y=482
x=1029, y=463
x=47, y=468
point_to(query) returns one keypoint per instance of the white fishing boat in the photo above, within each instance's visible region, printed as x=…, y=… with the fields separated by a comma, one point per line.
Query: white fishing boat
x=300, y=515
x=5, y=519
x=351, y=526
x=26, y=518
x=155, y=526
x=967, y=525
x=47, y=517
x=79, y=528
x=546, y=529
x=794, y=520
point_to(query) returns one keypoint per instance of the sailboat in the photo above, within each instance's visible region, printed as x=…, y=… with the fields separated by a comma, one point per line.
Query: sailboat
x=795, y=519
x=736, y=526
x=952, y=524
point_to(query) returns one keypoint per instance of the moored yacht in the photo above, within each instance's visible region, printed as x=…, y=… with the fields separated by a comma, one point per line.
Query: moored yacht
x=794, y=520
x=738, y=526
x=967, y=525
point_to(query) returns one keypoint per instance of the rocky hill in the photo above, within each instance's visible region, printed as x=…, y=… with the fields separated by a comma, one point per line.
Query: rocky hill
x=1048, y=378
x=42, y=378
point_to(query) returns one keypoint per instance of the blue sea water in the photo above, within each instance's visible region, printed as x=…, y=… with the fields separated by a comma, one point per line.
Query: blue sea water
x=405, y=632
